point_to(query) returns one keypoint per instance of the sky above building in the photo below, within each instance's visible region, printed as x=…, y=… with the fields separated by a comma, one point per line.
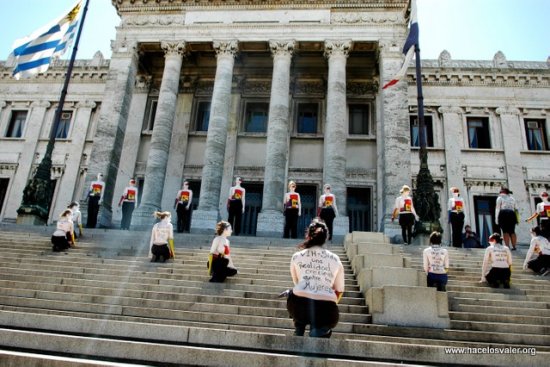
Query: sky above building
x=468, y=29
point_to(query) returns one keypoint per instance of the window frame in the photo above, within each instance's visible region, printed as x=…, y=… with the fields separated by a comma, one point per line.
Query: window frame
x=296, y=115
x=245, y=115
x=543, y=132
x=11, y=121
x=429, y=124
x=368, y=124
x=69, y=129
x=487, y=127
x=150, y=115
x=196, y=112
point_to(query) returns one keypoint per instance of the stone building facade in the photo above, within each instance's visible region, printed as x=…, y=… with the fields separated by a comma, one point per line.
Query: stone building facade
x=273, y=91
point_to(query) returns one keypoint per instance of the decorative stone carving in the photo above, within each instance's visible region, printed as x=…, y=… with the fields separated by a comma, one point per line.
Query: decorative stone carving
x=172, y=48
x=86, y=104
x=337, y=47
x=98, y=60
x=499, y=61
x=507, y=110
x=42, y=104
x=450, y=109
x=309, y=88
x=444, y=59
x=256, y=87
x=205, y=87
x=364, y=18
x=143, y=83
x=361, y=88
x=142, y=20
x=229, y=48
x=282, y=47
x=3, y=104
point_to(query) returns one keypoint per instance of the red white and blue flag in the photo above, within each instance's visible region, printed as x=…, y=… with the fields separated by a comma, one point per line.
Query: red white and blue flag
x=408, y=48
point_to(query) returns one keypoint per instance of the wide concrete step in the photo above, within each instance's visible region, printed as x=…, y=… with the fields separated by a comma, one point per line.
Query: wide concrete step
x=501, y=305
x=19, y=359
x=501, y=327
x=506, y=296
x=500, y=318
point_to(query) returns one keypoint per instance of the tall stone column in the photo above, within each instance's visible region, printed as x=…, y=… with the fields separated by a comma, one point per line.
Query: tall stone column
x=270, y=219
x=205, y=218
x=155, y=172
x=510, y=125
x=111, y=127
x=336, y=131
x=393, y=136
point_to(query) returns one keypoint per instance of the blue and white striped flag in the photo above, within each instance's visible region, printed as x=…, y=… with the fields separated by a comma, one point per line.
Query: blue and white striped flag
x=33, y=54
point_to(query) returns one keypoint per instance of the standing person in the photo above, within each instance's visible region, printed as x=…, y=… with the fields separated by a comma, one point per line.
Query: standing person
x=128, y=200
x=542, y=213
x=292, y=210
x=220, y=263
x=63, y=238
x=318, y=277
x=497, y=263
x=76, y=217
x=95, y=198
x=505, y=213
x=470, y=239
x=456, y=216
x=404, y=208
x=436, y=263
x=328, y=210
x=538, y=255
x=236, y=205
x=183, y=207
x=161, y=246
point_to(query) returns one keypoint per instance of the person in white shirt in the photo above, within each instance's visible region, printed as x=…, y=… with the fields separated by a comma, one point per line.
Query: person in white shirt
x=162, y=238
x=236, y=205
x=436, y=263
x=328, y=209
x=455, y=208
x=220, y=262
x=76, y=218
x=404, y=208
x=538, y=255
x=318, y=277
x=128, y=200
x=497, y=263
x=95, y=197
x=63, y=238
x=292, y=210
x=542, y=213
x=183, y=207
x=505, y=214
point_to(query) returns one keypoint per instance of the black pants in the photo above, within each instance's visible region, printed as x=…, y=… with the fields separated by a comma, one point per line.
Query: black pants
x=220, y=270
x=438, y=281
x=498, y=276
x=291, y=223
x=61, y=243
x=406, y=221
x=322, y=316
x=183, y=218
x=542, y=262
x=160, y=252
x=93, y=210
x=127, y=211
x=328, y=215
x=457, y=223
x=545, y=227
x=235, y=211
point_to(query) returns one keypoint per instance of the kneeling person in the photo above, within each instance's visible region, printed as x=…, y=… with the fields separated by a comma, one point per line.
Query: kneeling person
x=436, y=263
x=497, y=263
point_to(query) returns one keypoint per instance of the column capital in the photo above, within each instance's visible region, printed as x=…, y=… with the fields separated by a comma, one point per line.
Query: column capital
x=42, y=103
x=337, y=47
x=226, y=47
x=283, y=48
x=86, y=104
x=3, y=104
x=173, y=48
x=450, y=109
x=143, y=83
x=507, y=110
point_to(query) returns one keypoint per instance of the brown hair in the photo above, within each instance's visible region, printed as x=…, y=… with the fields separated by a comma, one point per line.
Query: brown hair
x=221, y=226
x=316, y=234
x=162, y=215
x=65, y=213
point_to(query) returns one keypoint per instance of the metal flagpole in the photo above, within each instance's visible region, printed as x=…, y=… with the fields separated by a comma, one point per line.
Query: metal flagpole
x=35, y=205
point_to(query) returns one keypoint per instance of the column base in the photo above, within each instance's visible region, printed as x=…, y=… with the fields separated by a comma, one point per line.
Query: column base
x=204, y=221
x=392, y=230
x=270, y=224
x=340, y=227
x=30, y=219
x=142, y=217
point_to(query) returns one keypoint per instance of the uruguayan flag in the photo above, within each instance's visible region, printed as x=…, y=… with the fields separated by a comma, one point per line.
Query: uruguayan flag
x=33, y=54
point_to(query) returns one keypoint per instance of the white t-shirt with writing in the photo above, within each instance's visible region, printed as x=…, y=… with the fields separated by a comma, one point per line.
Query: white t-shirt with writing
x=436, y=260
x=317, y=273
x=496, y=256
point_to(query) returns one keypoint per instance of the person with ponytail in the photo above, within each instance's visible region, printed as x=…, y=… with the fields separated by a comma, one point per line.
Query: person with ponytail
x=220, y=263
x=318, y=276
x=162, y=238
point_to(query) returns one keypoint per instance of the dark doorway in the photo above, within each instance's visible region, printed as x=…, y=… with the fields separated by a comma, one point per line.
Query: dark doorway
x=253, y=206
x=308, y=197
x=3, y=190
x=484, y=207
x=359, y=209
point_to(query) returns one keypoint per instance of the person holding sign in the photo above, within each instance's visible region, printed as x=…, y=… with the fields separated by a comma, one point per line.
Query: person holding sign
x=236, y=205
x=183, y=207
x=456, y=216
x=328, y=210
x=497, y=263
x=95, y=197
x=128, y=200
x=161, y=246
x=292, y=210
x=318, y=277
x=407, y=215
x=542, y=214
x=436, y=263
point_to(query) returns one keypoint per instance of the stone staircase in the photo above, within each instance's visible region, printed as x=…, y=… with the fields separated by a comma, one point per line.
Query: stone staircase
x=103, y=303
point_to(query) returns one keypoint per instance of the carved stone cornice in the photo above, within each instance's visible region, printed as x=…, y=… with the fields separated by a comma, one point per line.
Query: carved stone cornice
x=507, y=110
x=152, y=20
x=173, y=48
x=124, y=47
x=86, y=104
x=493, y=183
x=450, y=110
x=337, y=48
x=226, y=48
x=361, y=88
x=41, y=104
x=282, y=48
x=251, y=87
x=308, y=88
x=365, y=18
x=204, y=87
